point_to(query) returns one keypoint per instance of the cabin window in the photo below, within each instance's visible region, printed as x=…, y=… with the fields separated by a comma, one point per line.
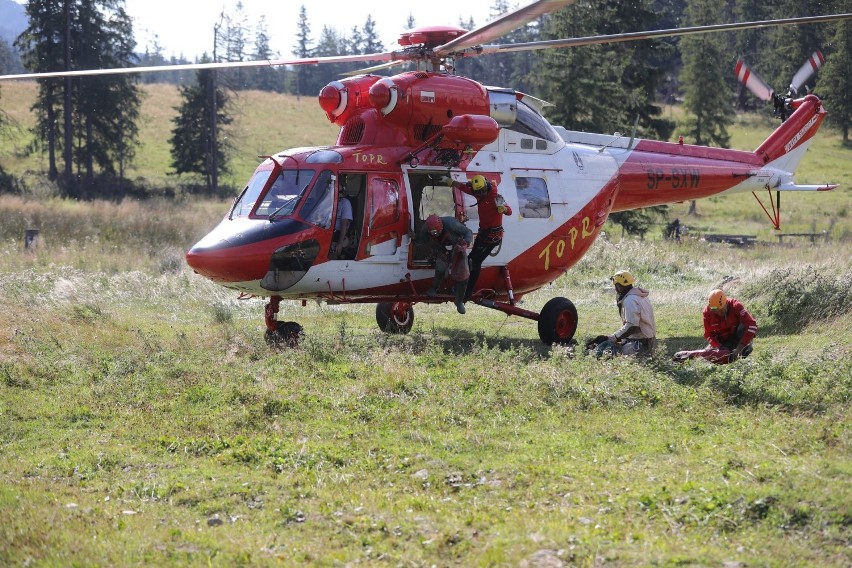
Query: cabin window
x=531, y=123
x=533, y=197
x=320, y=201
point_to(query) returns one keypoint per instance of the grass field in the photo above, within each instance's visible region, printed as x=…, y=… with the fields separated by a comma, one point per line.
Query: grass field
x=144, y=421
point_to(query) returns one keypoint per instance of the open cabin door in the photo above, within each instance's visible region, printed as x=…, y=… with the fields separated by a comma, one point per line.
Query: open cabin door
x=385, y=218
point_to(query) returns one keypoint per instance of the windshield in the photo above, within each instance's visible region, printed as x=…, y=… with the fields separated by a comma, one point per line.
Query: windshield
x=284, y=194
x=244, y=204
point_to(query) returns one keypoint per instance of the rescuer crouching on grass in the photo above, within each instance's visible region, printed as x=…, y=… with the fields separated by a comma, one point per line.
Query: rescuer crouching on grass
x=638, y=333
x=729, y=329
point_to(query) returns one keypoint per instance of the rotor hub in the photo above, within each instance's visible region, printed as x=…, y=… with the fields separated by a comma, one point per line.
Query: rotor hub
x=430, y=36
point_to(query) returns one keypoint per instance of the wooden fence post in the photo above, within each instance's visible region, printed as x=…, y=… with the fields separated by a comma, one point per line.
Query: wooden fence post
x=30, y=239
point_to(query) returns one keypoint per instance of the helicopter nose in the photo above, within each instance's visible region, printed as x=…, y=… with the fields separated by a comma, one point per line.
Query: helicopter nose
x=228, y=264
x=222, y=261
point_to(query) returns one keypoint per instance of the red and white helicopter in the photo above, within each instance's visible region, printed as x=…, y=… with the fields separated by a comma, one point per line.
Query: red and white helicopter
x=403, y=137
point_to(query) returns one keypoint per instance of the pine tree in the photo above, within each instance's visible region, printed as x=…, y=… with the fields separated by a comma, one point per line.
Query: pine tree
x=98, y=132
x=835, y=79
x=707, y=99
x=230, y=43
x=195, y=147
x=265, y=78
x=303, y=75
x=331, y=43
x=370, y=41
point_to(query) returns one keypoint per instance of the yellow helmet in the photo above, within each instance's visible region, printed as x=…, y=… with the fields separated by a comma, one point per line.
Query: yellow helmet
x=717, y=300
x=623, y=277
x=478, y=183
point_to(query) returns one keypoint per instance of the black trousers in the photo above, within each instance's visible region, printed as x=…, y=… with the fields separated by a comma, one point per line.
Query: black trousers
x=480, y=251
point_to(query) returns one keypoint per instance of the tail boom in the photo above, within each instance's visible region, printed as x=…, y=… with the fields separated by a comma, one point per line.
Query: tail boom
x=656, y=173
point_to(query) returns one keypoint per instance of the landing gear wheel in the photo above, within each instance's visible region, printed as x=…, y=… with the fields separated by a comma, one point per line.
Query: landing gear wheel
x=557, y=322
x=395, y=317
x=288, y=334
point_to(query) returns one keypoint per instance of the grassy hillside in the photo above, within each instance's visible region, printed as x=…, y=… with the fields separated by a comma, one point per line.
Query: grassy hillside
x=264, y=123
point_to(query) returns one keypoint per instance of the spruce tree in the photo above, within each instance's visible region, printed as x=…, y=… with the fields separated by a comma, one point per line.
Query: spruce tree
x=195, y=147
x=98, y=132
x=708, y=99
x=304, y=76
x=834, y=84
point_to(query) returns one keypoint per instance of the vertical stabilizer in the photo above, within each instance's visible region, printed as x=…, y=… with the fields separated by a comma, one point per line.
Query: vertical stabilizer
x=785, y=147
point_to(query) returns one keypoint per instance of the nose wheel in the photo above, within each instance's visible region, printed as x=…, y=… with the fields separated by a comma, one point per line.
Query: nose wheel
x=280, y=333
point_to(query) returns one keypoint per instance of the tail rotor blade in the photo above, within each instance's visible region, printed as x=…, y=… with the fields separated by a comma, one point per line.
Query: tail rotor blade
x=806, y=71
x=752, y=82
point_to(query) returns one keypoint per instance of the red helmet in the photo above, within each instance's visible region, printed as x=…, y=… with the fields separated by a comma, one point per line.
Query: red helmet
x=434, y=225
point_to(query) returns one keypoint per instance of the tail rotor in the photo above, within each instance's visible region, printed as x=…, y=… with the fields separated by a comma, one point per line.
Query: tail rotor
x=782, y=103
x=805, y=72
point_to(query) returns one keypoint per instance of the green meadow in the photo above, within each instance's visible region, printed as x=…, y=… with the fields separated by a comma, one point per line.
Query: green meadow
x=144, y=420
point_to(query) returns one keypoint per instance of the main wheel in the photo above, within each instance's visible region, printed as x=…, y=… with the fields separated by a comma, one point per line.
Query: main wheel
x=395, y=317
x=557, y=321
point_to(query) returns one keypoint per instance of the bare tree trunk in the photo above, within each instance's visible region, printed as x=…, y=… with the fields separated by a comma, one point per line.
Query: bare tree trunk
x=52, y=172
x=67, y=102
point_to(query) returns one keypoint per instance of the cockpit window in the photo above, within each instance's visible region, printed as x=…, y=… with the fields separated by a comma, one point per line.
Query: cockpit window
x=284, y=194
x=244, y=204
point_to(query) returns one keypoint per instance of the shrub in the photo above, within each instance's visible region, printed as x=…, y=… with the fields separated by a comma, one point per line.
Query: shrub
x=794, y=297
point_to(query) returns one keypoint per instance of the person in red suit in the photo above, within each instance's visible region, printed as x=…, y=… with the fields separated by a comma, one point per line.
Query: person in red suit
x=491, y=208
x=729, y=329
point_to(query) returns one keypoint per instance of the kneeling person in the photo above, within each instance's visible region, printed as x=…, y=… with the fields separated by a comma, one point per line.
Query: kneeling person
x=729, y=329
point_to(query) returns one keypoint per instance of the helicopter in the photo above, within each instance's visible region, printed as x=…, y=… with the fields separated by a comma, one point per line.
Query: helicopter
x=409, y=141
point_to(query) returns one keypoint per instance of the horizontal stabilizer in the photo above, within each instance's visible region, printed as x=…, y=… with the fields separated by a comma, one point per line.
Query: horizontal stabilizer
x=796, y=187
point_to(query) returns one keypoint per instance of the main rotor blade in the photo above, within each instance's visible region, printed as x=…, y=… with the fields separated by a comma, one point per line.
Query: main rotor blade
x=633, y=36
x=501, y=26
x=381, y=57
x=752, y=82
x=806, y=71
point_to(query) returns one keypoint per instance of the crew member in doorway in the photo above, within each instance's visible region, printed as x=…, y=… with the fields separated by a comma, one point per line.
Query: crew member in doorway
x=446, y=232
x=491, y=207
x=729, y=329
x=339, y=239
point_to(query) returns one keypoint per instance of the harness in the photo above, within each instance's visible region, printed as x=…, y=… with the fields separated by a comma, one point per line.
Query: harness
x=492, y=235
